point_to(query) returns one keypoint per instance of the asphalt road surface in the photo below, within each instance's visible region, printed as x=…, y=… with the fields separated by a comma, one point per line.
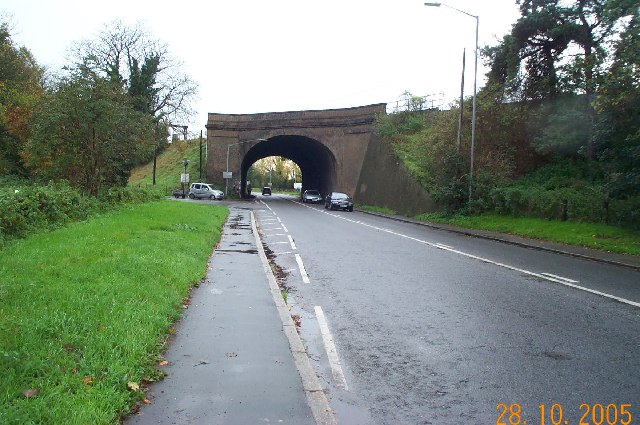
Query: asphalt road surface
x=411, y=325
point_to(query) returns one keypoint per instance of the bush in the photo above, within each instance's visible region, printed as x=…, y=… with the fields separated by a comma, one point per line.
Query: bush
x=27, y=207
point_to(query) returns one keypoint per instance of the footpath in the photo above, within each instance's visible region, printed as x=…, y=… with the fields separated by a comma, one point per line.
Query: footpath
x=234, y=358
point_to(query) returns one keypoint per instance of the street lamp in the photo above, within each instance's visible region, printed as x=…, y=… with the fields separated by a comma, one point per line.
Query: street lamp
x=226, y=179
x=184, y=177
x=475, y=81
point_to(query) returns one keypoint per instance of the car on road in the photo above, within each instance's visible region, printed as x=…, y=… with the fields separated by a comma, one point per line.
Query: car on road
x=266, y=190
x=312, y=196
x=338, y=200
x=204, y=190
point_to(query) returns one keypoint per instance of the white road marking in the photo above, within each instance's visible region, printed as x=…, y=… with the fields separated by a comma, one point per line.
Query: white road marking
x=303, y=272
x=566, y=279
x=543, y=276
x=329, y=346
x=285, y=229
x=277, y=243
x=272, y=228
x=276, y=234
x=293, y=245
x=283, y=253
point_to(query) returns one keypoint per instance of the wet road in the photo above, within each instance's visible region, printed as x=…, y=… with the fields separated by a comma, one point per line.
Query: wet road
x=431, y=327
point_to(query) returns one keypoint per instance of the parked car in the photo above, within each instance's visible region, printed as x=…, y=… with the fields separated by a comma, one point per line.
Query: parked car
x=266, y=190
x=338, y=200
x=204, y=190
x=312, y=196
x=178, y=193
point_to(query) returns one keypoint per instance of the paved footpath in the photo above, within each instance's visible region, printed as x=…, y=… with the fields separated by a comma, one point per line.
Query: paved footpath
x=230, y=361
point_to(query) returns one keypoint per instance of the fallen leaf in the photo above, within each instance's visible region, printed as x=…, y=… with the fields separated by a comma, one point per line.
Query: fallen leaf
x=163, y=363
x=31, y=392
x=146, y=401
x=133, y=386
x=87, y=379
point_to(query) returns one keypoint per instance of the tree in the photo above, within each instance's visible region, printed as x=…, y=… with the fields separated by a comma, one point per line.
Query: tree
x=558, y=48
x=20, y=90
x=87, y=132
x=618, y=107
x=144, y=67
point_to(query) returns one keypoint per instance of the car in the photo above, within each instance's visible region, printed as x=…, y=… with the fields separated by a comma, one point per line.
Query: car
x=266, y=190
x=312, y=196
x=338, y=200
x=219, y=195
x=204, y=190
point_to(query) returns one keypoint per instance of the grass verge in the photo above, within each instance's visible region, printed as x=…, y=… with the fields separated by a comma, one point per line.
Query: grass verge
x=85, y=310
x=596, y=236
x=376, y=209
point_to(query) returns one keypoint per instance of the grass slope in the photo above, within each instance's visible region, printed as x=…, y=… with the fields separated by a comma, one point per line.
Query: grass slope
x=84, y=310
x=169, y=166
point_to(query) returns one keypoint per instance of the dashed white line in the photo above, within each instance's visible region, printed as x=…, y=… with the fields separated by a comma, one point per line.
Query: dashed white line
x=566, y=279
x=303, y=272
x=329, y=346
x=293, y=245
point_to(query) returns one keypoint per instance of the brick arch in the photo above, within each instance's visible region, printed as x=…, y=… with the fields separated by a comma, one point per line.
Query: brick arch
x=328, y=145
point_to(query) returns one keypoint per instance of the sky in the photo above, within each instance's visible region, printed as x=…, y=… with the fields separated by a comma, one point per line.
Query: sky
x=251, y=56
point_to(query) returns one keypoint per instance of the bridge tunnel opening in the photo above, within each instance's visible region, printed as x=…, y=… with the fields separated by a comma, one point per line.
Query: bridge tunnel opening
x=315, y=160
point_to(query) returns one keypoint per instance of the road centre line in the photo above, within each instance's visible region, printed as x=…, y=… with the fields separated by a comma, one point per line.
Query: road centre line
x=561, y=278
x=550, y=278
x=303, y=272
x=330, y=348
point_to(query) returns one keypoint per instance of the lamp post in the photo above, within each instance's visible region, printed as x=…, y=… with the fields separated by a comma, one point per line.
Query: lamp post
x=475, y=81
x=184, y=179
x=226, y=179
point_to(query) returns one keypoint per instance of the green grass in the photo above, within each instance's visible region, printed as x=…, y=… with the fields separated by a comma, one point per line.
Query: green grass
x=596, y=236
x=375, y=209
x=169, y=166
x=85, y=309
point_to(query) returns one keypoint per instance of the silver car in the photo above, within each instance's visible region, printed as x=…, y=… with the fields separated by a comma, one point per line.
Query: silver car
x=312, y=196
x=204, y=190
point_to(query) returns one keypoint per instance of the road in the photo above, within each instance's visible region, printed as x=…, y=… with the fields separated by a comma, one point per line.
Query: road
x=412, y=325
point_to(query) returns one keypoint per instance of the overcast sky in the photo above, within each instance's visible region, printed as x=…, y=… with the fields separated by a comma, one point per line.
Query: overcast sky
x=252, y=56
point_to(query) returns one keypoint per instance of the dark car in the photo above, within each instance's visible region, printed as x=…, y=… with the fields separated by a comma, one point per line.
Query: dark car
x=312, y=196
x=266, y=190
x=338, y=200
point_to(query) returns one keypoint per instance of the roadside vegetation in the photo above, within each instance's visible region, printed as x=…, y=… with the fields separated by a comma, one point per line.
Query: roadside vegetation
x=557, y=140
x=28, y=207
x=590, y=235
x=86, y=309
